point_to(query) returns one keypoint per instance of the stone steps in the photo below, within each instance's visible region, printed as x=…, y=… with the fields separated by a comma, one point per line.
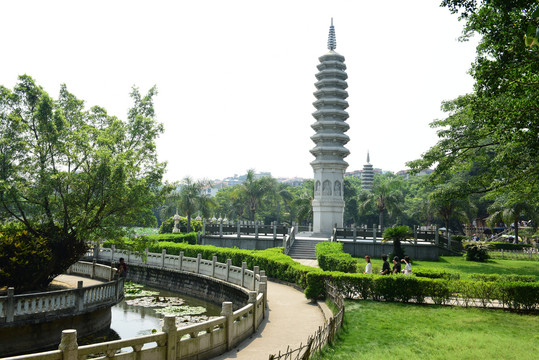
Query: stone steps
x=304, y=249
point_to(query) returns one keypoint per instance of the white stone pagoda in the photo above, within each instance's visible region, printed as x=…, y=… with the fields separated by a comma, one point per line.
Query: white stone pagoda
x=367, y=176
x=330, y=126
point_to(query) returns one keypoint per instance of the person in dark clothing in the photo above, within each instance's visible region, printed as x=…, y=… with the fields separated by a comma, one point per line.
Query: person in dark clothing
x=385, y=266
x=122, y=268
x=396, y=265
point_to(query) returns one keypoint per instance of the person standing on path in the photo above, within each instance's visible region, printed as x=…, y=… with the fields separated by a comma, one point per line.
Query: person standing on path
x=122, y=268
x=368, y=267
x=396, y=265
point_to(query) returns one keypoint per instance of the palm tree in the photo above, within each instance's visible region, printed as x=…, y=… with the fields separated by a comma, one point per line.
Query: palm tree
x=255, y=190
x=191, y=198
x=509, y=209
x=448, y=207
x=386, y=195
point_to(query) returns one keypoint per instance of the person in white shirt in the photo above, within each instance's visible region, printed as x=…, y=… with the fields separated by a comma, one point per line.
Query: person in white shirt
x=408, y=268
x=368, y=267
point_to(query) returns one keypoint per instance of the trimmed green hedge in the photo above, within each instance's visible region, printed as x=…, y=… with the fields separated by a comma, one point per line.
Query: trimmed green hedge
x=502, y=278
x=331, y=257
x=436, y=274
x=506, y=246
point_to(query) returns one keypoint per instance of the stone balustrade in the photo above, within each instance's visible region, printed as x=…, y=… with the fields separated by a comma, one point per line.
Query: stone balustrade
x=198, y=341
x=15, y=309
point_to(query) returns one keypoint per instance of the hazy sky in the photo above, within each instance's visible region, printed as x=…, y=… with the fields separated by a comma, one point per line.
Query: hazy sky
x=236, y=78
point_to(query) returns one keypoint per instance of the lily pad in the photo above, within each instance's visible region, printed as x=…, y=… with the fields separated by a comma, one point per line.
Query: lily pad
x=155, y=301
x=182, y=310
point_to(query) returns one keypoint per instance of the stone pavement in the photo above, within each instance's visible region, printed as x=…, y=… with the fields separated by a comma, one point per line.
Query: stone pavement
x=292, y=319
x=70, y=281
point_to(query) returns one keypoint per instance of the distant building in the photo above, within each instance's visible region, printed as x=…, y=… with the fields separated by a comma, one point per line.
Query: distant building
x=367, y=176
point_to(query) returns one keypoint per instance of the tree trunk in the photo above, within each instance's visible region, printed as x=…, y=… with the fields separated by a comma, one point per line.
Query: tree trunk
x=188, y=222
x=381, y=221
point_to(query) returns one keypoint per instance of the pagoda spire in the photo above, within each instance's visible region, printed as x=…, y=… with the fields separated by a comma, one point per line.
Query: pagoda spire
x=368, y=157
x=332, y=41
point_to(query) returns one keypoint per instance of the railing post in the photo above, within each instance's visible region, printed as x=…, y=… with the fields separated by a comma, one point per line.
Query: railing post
x=213, y=262
x=415, y=235
x=256, y=229
x=68, y=345
x=263, y=288
x=275, y=230
x=169, y=327
x=79, y=296
x=243, y=268
x=204, y=227
x=229, y=323
x=263, y=279
x=93, y=268
x=354, y=232
x=163, y=255
x=181, y=259
x=10, y=309
x=256, y=270
x=199, y=257
x=374, y=227
x=239, y=229
x=119, y=287
x=436, y=236
x=221, y=229
x=252, y=300
x=228, y=265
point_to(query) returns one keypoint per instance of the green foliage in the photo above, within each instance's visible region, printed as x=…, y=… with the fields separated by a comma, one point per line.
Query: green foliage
x=476, y=252
x=24, y=260
x=168, y=225
x=398, y=234
x=436, y=274
x=492, y=133
x=71, y=175
x=506, y=246
x=502, y=278
x=330, y=257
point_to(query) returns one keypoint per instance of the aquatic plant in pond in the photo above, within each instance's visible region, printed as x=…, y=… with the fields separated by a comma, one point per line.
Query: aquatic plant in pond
x=184, y=310
x=134, y=290
x=155, y=301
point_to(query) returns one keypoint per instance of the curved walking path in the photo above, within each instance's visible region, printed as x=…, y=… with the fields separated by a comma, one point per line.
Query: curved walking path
x=291, y=320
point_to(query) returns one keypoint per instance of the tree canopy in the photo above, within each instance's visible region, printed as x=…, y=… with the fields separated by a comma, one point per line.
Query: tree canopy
x=492, y=134
x=70, y=175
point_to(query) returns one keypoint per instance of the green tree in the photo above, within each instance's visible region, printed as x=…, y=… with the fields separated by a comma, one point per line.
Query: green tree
x=71, y=175
x=509, y=209
x=398, y=234
x=255, y=190
x=386, y=195
x=191, y=198
x=493, y=132
x=352, y=188
x=302, y=205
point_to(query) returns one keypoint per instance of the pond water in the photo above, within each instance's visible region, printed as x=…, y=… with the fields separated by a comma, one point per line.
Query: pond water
x=131, y=320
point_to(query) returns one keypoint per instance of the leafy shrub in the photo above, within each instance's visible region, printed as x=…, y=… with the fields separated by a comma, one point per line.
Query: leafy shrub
x=397, y=234
x=24, y=258
x=502, y=278
x=331, y=258
x=506, y=246
x=476, y=252
x=436, y=274
x=520, y=295
x=167, y=225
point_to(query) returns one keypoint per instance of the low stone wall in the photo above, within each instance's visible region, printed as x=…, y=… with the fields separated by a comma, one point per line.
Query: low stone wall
x=417, y=252
x=245, y=243
x=198, y=341
x=34, y=321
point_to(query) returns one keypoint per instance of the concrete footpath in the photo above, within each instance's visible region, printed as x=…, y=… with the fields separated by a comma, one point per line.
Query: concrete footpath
x=70, y=281
x=291, y=320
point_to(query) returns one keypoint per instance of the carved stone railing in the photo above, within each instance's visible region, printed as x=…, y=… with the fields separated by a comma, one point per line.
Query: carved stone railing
x=200, y=341
x=15, y=309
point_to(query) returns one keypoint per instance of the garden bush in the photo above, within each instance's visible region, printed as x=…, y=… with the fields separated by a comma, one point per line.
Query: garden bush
x=506, y=246
x=331, y=257
x=502, y=278
x=436, y=274
x=167, y=225
x=476, y=252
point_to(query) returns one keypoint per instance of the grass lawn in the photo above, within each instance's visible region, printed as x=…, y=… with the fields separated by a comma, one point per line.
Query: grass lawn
x=378, y=330
x=460, y=265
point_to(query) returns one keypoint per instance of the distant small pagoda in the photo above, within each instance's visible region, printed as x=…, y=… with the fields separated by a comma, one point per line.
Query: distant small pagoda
x=367, y=176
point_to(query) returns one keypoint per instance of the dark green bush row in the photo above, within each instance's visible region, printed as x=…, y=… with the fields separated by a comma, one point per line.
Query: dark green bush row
x=331, y=258
x=190, y=238
x=168, y=225
x=502, y=278
x=436, y=274
x=516, y=295
x=506, y=246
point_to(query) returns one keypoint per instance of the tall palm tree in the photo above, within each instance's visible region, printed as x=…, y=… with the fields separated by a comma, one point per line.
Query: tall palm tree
x=386, y=195
x=191, y=198
x=255, y=190
x=509, y=209
x=448, y=207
